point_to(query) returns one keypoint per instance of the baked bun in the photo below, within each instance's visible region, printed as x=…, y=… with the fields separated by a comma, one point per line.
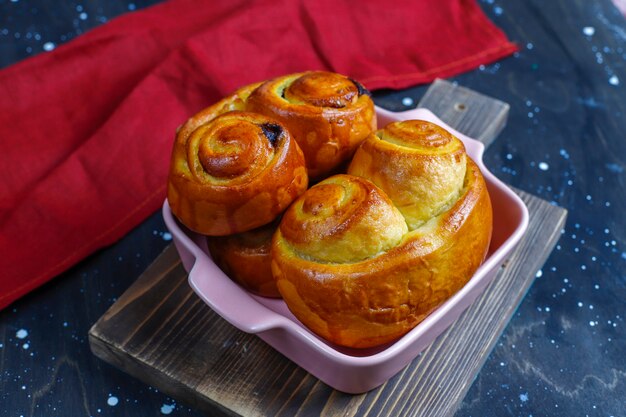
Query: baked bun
x=361, y=259
x=420, y=165
x=234, y=172
x=245, y=257
x=328, y=114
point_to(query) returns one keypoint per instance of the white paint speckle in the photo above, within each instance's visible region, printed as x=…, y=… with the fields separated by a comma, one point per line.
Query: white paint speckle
x=21, y=334
x=498, y=10
x=529, y=46
x=82, y=16
x=614, y=80
x=167, y=408
x=25, y=346
x=539, y=274
x=589, y=30
x=523, y=397
x=599, y=58
x=592, y=323
x=543, y=166
x=48, y=46
x=407, y=101
x=112, y=401
x=167, y=236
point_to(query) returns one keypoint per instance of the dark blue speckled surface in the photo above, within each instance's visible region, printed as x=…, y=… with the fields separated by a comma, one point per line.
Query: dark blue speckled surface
x=563, y=354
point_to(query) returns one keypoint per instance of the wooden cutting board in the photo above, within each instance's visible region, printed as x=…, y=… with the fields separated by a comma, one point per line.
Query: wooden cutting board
x=160, y=332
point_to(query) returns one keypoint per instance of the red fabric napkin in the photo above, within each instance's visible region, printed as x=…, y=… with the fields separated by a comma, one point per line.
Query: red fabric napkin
x=86, y=130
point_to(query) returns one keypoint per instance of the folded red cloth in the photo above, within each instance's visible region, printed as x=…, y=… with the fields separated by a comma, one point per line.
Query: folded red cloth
x=87, y=129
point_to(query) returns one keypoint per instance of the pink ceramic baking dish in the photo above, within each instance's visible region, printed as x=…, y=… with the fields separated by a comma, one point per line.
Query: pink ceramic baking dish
x=349, y=370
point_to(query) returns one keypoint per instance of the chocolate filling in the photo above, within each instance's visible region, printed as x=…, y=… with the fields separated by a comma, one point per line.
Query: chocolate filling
x=361, y=88
x=272, y=132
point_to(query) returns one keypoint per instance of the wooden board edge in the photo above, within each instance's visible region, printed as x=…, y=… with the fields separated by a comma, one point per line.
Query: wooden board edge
x=124, y=361
x=439, y=95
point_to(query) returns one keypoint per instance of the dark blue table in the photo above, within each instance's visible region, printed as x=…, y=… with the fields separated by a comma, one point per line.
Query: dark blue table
x=563, y=352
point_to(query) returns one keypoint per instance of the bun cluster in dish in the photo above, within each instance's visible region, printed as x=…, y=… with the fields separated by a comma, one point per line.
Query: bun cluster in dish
x=245, y=258
x=361, y=257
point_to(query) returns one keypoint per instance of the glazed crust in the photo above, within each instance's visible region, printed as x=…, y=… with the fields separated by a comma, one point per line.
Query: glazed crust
x=245, y=257
x=233, y=172
x=374, y=298
x=328, y=114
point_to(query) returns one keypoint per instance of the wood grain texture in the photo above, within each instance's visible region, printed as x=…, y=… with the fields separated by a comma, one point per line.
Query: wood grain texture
x=163, y=334
x=160, y=332
x=466, y=110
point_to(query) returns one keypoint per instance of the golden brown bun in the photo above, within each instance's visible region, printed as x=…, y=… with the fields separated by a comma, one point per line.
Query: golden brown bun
x=354, y=271
x=234, y=172
x=245, y=257
x=327, y=113
x=420, y=166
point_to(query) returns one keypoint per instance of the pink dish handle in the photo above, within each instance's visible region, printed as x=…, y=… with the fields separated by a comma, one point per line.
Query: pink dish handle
x=215, y=288
x=221, y=294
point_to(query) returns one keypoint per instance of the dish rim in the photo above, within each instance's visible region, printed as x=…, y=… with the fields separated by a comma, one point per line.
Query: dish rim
x=274, y=320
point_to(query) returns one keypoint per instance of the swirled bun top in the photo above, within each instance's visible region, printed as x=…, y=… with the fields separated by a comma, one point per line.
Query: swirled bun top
x=322, y=89
x=328, y=114
x=235, y=172
x=342, y=219
x=233, y=148
x=419, y=165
